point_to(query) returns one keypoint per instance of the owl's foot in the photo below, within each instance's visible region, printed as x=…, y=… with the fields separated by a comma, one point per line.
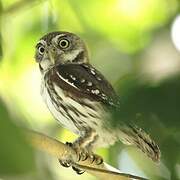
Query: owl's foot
x=96, y=159
x=65, y=163
x=81, y=156
x=81, y=153
x=78, y=170
x=84, y=154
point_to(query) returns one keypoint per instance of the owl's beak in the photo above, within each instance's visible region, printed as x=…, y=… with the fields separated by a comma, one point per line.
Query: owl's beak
x=52, y=55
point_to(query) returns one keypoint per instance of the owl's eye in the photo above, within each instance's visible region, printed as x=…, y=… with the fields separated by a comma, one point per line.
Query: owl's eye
x=64, y=43
x=41, y=50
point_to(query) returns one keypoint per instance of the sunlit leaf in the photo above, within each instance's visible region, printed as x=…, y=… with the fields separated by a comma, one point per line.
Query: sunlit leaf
x=126, y=23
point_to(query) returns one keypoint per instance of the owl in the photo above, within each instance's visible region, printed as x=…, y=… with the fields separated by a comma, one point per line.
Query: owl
x=81, y=99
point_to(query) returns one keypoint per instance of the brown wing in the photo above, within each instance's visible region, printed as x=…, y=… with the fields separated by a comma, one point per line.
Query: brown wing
x=86, y=81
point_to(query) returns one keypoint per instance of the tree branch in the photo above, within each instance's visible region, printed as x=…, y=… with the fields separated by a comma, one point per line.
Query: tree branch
x=64, y=152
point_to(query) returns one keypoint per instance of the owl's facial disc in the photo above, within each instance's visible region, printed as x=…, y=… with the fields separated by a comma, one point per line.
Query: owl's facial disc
x=58, y=48
x=67, y=47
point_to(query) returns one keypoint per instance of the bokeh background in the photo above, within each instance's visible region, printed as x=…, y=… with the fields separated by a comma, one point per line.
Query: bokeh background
x=134, y=43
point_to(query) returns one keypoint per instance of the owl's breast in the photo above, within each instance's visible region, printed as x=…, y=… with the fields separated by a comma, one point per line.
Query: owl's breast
x=77, y=116
x=57, y=107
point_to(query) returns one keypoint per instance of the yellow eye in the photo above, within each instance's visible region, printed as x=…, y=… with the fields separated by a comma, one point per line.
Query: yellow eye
x=64, y=43
x=41, y=50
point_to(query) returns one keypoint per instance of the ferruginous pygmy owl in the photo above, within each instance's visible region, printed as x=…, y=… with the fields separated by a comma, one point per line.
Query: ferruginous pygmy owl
x=80, y=97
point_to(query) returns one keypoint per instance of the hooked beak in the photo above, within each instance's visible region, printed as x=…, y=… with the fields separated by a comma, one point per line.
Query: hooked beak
x=52, y=55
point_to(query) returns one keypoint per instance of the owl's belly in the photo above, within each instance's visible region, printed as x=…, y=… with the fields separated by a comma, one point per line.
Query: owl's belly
x=71, y=114
x=56, y=109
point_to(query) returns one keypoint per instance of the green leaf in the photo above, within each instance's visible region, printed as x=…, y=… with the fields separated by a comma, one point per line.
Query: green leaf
x=16, y=156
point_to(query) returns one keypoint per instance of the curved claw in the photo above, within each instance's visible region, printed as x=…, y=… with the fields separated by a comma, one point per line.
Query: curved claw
x=65, y=163
x=81, y=153
x=99, y=160
x=96, y=158
x=78, y=171
x=69, y=144
x=83, y=156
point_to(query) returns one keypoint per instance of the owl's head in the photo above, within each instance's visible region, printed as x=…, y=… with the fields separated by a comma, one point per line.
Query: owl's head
x=58, y=48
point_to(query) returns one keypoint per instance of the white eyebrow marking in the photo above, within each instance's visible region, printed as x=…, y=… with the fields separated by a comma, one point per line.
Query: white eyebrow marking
x=42, y=42
x=55, y=39
x=66, y=80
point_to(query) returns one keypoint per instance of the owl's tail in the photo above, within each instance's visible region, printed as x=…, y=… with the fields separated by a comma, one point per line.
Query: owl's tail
x=135, y=136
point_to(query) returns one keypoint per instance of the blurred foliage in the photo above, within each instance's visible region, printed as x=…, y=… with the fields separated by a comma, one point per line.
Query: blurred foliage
x=1, y=51
x=156, y=110
x=130, y=44
x=16, y=155
x=141, y=101
x=128, y=24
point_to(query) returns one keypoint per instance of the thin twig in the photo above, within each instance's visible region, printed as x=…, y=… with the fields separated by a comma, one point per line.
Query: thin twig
x=110, y=172
x=64, y=152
